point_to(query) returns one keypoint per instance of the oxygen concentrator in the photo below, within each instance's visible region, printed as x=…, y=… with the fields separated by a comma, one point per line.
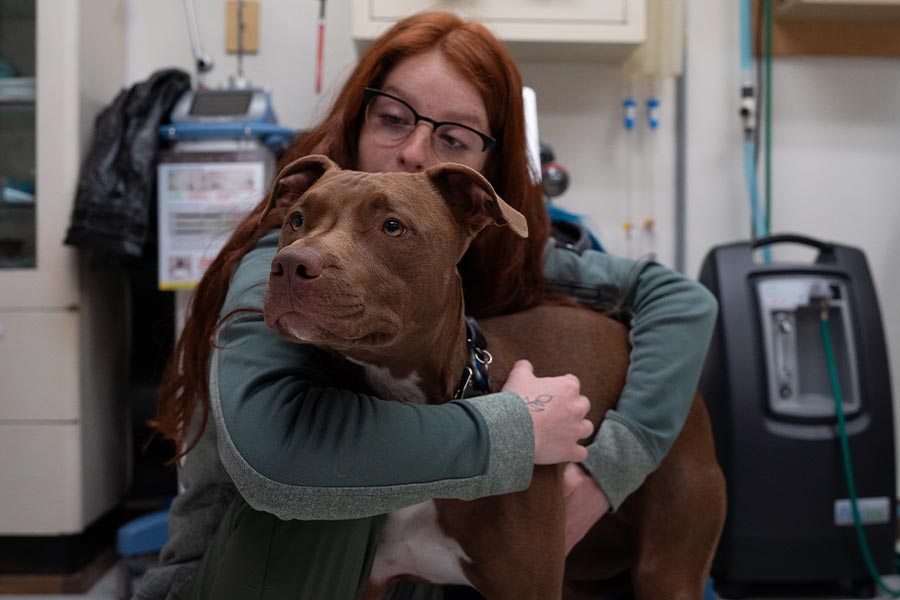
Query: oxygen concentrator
x=766, y=384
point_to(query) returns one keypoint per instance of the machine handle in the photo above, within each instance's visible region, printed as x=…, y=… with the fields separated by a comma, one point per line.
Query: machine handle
x=824, y=247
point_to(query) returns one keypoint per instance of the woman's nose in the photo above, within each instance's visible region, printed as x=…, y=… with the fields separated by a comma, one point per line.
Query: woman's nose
x=416, y=153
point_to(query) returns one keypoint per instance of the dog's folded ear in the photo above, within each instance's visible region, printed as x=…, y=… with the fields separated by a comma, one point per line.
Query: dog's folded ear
x=295, y=179
x=472, y=199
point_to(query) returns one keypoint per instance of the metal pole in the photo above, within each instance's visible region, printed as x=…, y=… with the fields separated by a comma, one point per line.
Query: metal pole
x=202, y=60
x=240, y=41
x=681, y=156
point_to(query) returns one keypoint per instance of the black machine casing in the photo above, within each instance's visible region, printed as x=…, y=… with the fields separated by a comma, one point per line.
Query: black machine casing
x=778, y=444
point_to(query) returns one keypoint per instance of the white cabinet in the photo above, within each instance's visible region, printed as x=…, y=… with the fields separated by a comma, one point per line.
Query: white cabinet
x=63, y=423
x=532, y=29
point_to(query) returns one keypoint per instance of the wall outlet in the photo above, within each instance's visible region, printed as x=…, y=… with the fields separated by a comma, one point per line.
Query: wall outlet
x=250, y=17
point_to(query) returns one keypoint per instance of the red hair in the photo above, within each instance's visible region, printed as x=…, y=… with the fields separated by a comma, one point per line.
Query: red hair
x=501, y=273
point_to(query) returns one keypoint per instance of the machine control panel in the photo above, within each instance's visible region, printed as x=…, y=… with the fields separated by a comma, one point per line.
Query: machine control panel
x=790, y=310
x=221, y=106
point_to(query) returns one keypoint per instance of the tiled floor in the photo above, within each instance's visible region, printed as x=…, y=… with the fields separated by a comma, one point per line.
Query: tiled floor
x=106, y=589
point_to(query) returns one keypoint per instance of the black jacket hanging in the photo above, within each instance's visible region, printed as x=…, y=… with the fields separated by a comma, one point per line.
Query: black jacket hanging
x=116, y=194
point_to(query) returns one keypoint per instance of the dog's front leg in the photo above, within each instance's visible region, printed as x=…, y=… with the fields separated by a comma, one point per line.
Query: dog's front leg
x=515, y=542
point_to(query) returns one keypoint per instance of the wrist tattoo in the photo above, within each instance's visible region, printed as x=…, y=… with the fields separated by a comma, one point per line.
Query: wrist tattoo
x=538, y=404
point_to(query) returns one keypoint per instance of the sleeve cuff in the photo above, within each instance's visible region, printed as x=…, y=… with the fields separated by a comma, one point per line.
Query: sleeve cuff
x=512, y=442
x=617, y=460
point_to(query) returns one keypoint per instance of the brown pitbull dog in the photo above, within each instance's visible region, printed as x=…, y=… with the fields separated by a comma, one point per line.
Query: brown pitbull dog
x=366, y=267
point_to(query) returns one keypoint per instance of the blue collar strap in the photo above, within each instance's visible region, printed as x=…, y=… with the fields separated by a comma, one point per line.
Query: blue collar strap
x=475, y=380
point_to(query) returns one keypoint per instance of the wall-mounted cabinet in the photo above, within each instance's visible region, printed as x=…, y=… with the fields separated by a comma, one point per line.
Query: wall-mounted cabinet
x=860, y=28
x=844, y=10
x=532, y=29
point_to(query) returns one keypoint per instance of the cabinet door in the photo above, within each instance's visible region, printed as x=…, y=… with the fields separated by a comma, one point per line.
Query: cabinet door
x=18, y=231
x=532, y=29
x=71, y=54
x=539, y=12
x=41, y=467
x=39, y=366
x=36, y=271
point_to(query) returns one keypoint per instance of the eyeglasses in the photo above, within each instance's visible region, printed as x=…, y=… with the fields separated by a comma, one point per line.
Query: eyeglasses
x=393, y=119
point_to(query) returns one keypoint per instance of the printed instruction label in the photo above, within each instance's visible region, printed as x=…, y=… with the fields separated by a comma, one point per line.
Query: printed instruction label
x=200, y=203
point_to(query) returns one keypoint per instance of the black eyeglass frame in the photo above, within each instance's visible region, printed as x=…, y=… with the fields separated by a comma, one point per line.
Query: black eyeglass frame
x=369, y=93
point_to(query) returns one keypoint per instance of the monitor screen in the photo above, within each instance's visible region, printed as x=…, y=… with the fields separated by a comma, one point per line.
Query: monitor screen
x=220, y=104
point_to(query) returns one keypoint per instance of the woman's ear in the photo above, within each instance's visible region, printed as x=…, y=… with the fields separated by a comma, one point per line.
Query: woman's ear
x=473, y=201
x=295, y=179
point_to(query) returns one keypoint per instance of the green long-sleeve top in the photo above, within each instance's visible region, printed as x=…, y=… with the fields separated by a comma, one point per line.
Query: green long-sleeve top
x=299, y=438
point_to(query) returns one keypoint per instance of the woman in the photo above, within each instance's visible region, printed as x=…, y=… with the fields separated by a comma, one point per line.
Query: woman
x=293, y=426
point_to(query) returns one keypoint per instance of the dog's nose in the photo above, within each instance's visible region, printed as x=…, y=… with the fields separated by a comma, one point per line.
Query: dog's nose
x=305, y=263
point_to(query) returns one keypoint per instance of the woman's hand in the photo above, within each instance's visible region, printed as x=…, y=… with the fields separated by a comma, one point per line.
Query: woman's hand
x=585, y=504
x=557, y=411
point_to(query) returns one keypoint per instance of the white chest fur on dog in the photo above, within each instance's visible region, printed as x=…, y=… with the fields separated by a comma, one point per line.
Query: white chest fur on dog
x=412, y=542
x=389, y=387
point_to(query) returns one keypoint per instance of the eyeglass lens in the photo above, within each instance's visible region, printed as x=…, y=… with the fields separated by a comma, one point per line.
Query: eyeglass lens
x=393, y=120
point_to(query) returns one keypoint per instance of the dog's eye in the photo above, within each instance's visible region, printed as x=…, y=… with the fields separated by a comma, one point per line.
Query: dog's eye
x=296, y=221
x=393, y=227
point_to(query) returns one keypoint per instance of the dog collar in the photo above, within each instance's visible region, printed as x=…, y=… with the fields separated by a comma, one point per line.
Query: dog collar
x=475, y=380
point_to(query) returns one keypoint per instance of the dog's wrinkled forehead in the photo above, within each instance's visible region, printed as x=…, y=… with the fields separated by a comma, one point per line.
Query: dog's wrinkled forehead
x=463, y=194
x=410, y=191
x=341, y=185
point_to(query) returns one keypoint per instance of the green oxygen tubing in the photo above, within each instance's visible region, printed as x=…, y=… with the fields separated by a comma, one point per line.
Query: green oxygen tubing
x=825, y=329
